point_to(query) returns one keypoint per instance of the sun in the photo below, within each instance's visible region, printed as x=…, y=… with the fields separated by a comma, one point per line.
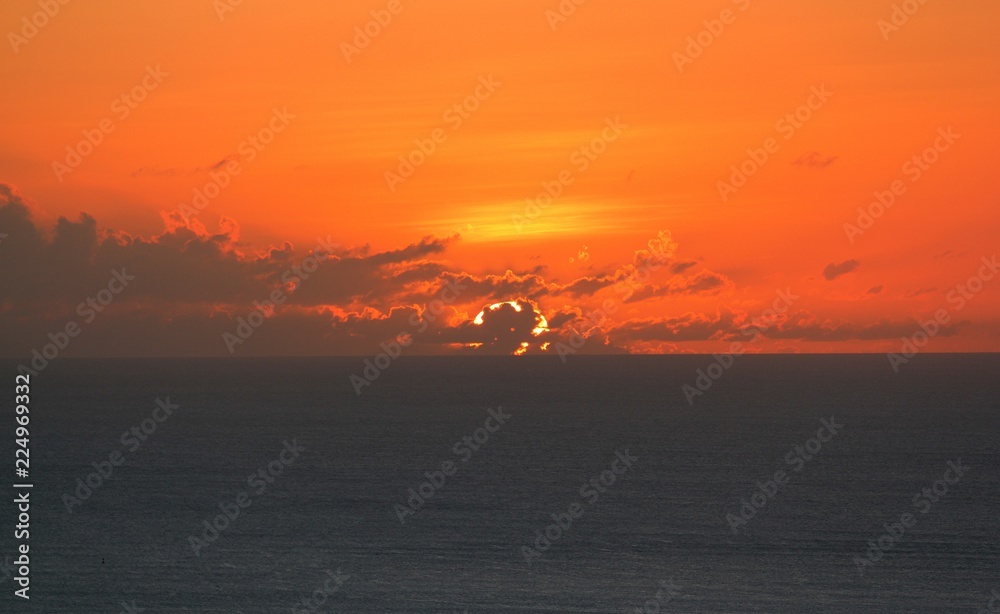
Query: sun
x=541, y=324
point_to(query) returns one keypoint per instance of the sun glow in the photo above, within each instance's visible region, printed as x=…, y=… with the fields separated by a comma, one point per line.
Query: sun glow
x=479, y=318
x=541, y=324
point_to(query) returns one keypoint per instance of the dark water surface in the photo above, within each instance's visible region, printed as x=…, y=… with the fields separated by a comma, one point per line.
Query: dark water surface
x=332, y=506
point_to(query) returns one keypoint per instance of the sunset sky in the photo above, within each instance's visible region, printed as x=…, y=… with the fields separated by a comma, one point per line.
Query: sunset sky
x=297, y=122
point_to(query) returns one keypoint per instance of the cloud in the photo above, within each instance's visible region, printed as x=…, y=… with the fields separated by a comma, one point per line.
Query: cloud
x=634, y=281
x=189, y=279
x=807, y=327
x=704, y=282
x=378, y=279
x=875, y=289
x=504, y=328
x=482, y=288
x=813, y=159
x=187, y=263
x=680, y=267
x=585, y=286
x=564, y=316
x=192, y=284
x=183, y=264
x=582, y=255
x=833, y=271
x=920, y=292
x=686, y=327
x=728, y=325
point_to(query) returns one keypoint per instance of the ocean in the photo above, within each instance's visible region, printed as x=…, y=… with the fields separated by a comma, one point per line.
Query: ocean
x=788, y=484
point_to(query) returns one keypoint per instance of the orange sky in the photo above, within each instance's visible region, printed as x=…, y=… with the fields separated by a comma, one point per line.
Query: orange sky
x=222, y=73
